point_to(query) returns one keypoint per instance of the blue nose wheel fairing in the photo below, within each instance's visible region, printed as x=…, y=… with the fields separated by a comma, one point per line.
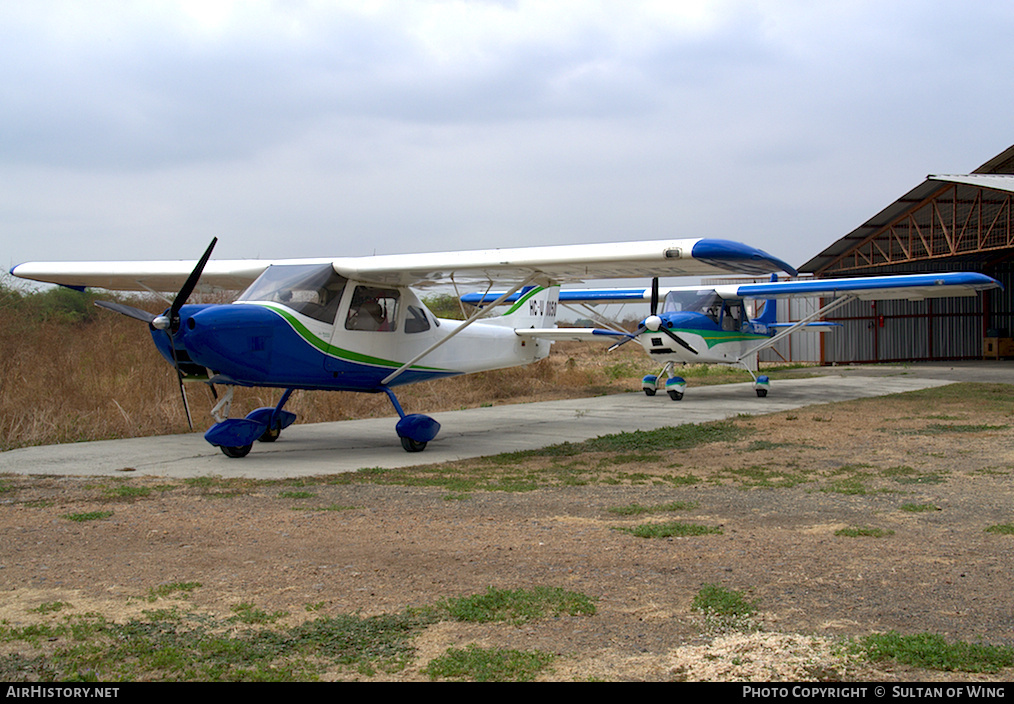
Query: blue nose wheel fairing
x=254, y=345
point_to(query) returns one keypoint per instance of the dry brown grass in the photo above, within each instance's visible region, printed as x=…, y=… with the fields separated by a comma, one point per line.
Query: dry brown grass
x=63, y=382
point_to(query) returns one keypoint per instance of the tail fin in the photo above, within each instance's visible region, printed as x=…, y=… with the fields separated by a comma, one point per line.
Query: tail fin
x=768, y=316
x=535, y=308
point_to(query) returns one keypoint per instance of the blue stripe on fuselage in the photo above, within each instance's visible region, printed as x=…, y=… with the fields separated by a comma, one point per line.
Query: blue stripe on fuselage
x=255, y=346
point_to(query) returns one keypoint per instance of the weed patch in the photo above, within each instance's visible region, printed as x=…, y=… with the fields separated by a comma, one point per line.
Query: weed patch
x=488, y=664
x=863, y=532
x=87, y=516
x=671, y=529
x=517, y=606
x=933, y=652
x=918, y=508
x=252, y=644
x=179, y=589
x=638, y=509
x=724, y=609
x=1001, y=529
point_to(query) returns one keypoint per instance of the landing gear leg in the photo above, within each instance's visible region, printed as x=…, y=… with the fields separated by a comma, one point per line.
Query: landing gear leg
x=274, y=428
x=220, y=410
x=415, y=430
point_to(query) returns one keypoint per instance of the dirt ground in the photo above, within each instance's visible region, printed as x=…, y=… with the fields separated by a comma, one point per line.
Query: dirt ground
x=778, y=495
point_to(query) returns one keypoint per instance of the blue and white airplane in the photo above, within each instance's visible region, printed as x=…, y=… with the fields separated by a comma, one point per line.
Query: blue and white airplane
x=355, y=323
x=710, y=325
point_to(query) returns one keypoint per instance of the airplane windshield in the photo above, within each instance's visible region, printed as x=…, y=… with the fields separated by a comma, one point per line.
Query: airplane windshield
x=698, y=301
x=314, y=290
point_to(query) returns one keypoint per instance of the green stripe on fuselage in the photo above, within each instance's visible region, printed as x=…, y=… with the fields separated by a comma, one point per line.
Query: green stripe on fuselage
x=340, y=353
x=717, y=337
x=521, y=301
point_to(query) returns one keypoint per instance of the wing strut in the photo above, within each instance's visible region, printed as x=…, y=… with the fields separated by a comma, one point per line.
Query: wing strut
x=482, y=312
x=833, y=305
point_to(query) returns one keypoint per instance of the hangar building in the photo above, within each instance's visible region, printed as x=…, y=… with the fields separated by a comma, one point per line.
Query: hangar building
x=947, y=223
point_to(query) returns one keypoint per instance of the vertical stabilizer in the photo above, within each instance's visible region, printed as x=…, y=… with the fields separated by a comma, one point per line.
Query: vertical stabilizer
x=768, y=316
x=535, y=308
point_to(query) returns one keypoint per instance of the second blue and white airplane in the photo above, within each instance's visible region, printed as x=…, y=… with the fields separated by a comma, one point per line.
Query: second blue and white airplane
x=710, y=325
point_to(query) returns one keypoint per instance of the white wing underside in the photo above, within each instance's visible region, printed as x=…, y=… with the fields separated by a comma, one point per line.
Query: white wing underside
x=541, y=265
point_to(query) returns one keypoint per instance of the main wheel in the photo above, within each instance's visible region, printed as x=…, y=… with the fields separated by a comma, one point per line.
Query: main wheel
x=270, y=435
x=675, y=395
x=411, y=445
x=241, y=451
x=761, y=393
x=649, y=392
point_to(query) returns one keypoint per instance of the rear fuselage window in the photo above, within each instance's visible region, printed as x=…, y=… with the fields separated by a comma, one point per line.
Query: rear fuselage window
x=416, y=320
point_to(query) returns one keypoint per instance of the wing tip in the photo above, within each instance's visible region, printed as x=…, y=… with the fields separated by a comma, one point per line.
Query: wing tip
x=739, y=257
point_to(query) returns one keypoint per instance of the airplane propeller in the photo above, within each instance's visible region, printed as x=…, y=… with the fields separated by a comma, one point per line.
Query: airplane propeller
x=129, y=311
x=169, y=321
x=653, y=323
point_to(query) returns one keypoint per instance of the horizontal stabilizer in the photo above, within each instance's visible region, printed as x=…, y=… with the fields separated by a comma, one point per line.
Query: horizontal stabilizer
x=580, y=334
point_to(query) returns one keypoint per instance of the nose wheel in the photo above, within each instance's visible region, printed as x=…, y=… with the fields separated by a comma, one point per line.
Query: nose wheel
x=675, y=386
x=235, y=436
x=411, y=445
x=237, y=452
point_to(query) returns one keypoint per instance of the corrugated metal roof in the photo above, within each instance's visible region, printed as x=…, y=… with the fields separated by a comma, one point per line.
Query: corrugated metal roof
x=996, y=182
x=995, y=174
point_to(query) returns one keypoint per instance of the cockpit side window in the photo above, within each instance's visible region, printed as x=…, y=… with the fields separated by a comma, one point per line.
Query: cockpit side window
x=732, y=316
x=315, y=290
x=373, y=308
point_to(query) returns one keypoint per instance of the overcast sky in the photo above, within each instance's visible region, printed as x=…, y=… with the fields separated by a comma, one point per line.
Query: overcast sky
x=291, y=128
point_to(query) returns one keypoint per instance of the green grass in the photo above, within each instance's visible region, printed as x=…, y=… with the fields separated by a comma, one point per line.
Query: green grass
x=849, y=487
x=931, y=651
x=330, y=507
x=50, y=607
x=716, y=599
x=863, y=532
x=246, y=612
x=87, y=516
x=678, y=437
x=724, y=609
x=1001, y=529
x=255, y=645
x=178, y=589
x=962, y=428
x=564, y=464
x=126, y=492
x=296, y=495
x=918, y=508
x=670, y=529
x=517, y=605
x=766, y=477
x=477, y=664
x=638, y=509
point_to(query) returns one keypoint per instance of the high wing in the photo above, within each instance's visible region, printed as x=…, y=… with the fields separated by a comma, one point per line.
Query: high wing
x=913, y=287
x=541, y=265
x=909, y=286
x=221, y=274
